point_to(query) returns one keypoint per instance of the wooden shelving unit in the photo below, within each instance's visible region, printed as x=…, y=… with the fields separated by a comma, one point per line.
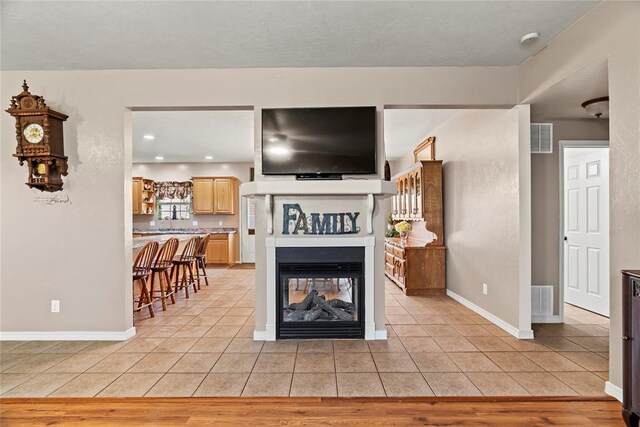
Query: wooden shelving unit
x=418, y=267
x=419, y=195
x=144, y=197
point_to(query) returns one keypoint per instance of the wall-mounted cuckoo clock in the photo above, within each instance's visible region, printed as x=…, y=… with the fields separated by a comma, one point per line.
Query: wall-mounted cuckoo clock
x=40, y=140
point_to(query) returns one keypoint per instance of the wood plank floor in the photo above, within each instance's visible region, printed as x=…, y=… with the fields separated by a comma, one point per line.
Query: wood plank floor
x=481, y=411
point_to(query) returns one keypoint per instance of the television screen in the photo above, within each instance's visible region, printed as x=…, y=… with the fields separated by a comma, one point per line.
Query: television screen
x=306, y=141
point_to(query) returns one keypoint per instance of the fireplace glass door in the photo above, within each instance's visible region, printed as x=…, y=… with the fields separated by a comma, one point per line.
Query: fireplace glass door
x=320, y=300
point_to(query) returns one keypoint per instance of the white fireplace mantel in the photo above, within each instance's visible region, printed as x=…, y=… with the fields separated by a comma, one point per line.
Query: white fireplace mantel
x=284, y=187
x=367, y=242
x=347, y=187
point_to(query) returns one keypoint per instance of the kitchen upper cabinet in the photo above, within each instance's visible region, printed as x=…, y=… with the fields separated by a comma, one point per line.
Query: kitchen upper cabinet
x=136, y=192
x=224, y=196
x=143, y=196
x=215, y=195
x=203, y=195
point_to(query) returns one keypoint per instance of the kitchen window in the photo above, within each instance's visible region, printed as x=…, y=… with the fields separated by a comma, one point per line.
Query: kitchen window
x=169, y=209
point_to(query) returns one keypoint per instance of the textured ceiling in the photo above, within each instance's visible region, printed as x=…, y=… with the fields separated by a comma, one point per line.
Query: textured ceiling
x=404, y=129
x=40, y=35
x=189, y=136
x=564, y=99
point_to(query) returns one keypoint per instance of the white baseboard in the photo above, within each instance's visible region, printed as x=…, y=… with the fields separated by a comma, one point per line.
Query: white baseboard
x=613, y=390
x=546, y=319
x=68, y=336
x=381, y=334
x=518, y=333
x=259, y=335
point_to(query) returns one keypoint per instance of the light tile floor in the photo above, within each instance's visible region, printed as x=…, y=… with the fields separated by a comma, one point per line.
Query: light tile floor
x=202, y=346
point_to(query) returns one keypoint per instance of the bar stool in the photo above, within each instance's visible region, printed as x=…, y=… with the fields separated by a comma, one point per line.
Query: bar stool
x=185, y=263
x=161, y=267
x=141, y=272
x=201, y=260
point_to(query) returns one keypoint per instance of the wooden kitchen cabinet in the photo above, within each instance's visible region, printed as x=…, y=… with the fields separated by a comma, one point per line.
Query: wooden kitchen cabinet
x=224, y=196
x=143, y=196
x=218, y=249
x=215, y=195
x=136, y=194
x=222, y=249
x=203, y=195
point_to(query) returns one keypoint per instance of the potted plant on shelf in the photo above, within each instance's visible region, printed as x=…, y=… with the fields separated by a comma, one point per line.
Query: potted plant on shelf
x=391, y=232
x=403, y=228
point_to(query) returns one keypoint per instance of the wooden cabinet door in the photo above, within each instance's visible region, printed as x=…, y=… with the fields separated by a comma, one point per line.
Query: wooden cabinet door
x=136, y=193
x=203, y=195
x=217, y=252
x=400, y=272
x=223, y=196
x=232, y=248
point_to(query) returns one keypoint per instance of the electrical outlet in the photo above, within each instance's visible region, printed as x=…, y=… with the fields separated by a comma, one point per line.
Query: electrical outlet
x=220, y=223
x=55, y=306
x=195, y=223
x=485, y=288
x=152, y=223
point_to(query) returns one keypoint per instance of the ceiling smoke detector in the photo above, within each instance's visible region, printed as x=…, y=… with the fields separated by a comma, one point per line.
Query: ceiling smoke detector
x=529, y=38
x=597, y=107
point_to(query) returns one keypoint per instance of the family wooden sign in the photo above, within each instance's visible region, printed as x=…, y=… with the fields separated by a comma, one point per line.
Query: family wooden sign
x=317, y=223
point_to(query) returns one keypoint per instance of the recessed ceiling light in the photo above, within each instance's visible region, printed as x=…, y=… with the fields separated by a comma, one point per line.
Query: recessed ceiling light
x=529, y=38
x=208, y=157
x=149, y=137
x=159, y=158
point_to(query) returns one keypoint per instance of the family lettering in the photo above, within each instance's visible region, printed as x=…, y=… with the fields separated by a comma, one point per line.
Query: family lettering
x=317, y=223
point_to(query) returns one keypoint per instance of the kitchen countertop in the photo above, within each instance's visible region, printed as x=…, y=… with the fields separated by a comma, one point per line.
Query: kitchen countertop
x=139, y=242
x=176, y=231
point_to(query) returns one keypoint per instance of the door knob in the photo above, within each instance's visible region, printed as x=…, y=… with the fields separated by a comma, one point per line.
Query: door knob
x=565, y=238
x=626, y=338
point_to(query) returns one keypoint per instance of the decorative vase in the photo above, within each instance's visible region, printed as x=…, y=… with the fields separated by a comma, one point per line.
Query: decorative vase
x=403, y=236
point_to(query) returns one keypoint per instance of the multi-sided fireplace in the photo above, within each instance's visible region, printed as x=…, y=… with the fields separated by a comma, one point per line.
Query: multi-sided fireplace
x=320, y=292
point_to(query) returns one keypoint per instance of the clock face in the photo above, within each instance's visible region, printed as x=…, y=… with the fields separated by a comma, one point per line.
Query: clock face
x=33, y=133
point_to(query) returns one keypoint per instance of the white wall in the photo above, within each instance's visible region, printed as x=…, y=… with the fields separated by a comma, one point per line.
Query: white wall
x=610, y=31
x=184, y=172
x=481, y=154
x=545, y=201
x=51, y=242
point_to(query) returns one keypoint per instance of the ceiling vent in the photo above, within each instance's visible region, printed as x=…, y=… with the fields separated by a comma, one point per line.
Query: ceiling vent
x=542, y=138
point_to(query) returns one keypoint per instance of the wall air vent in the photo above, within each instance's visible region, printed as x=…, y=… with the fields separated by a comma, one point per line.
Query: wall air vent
x=542, y=138
x=541, y=300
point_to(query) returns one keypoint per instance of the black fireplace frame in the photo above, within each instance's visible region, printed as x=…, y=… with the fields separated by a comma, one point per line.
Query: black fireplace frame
x=321, y=262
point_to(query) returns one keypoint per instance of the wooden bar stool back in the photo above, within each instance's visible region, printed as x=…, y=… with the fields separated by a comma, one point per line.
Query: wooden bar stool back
x=201, y=260
x=160, y=268
x=183, y=267
x=141, y=271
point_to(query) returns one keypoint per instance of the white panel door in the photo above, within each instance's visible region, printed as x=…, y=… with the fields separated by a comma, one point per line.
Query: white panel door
x=586, y=229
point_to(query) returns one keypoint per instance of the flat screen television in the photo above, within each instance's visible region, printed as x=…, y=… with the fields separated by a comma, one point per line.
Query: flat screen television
x=319, y=142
